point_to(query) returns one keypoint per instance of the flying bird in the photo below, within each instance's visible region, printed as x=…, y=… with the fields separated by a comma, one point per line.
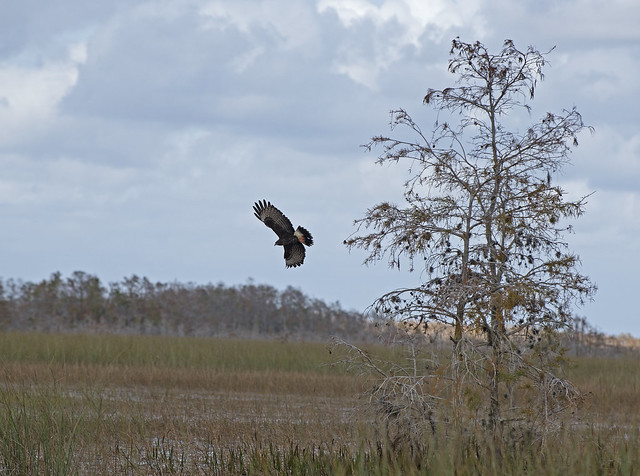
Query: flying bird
x=292, y=240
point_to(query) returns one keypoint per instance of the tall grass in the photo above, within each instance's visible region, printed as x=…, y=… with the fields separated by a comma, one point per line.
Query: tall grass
x=162, y=351
x=611, y=386
x=74, y=404
x=38, y=432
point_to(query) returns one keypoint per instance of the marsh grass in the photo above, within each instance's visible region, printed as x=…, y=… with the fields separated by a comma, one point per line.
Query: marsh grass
x=38, y=432
x=73, y=404
x=612, y=386
x=163, y=351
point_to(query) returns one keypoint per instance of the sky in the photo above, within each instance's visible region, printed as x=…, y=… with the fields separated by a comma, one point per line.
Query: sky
x=135, y=136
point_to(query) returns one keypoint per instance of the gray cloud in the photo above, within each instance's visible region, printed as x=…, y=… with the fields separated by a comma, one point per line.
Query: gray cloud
x=134, y=137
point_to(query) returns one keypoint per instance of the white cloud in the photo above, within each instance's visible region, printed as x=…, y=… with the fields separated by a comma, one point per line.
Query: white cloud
x=393, y=29
x=609, y=159
x=578, y=24
x=30, y=95
x=604, y=75
x=594, y=19
x=416, y=17
x=292, y=23
x=609, y=228
x=64, y=182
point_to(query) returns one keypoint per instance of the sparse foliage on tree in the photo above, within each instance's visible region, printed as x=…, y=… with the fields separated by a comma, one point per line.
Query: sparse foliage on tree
x=484, y=225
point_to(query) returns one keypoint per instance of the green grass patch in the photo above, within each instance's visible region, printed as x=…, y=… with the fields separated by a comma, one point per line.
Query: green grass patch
x=38, y=432
x=163, y=351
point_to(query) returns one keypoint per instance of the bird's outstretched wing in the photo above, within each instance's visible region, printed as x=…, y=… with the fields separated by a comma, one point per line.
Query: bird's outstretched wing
x=273, y=218
x=294, y=255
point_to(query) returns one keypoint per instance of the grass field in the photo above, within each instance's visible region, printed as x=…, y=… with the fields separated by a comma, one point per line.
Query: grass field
x=76, y=404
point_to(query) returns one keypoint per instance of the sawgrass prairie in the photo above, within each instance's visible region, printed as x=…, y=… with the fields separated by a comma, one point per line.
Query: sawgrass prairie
x=105, y=404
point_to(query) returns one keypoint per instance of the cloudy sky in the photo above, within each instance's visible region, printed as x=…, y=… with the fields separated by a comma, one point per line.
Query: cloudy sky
x=135, y=136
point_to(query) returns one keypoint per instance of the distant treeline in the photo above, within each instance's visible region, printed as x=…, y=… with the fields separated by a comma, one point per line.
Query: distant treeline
x=136, y=305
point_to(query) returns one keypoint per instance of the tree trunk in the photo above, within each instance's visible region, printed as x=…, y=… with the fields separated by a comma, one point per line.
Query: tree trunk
x=496, y=335
x=494, y=393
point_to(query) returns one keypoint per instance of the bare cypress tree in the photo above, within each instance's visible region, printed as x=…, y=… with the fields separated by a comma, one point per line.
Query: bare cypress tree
x=484, y=224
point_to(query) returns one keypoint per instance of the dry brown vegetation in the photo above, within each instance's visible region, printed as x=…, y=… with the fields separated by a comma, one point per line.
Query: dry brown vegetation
x=143, y=405
x=136, y=404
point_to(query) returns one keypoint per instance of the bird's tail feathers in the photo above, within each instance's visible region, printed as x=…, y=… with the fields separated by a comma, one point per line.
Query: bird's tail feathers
x=303, y=236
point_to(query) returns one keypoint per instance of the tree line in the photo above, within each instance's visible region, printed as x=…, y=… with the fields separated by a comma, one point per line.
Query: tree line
x=82, y=303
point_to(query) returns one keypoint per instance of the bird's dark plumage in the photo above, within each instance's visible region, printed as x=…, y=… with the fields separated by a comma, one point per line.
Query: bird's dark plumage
x=292, y=240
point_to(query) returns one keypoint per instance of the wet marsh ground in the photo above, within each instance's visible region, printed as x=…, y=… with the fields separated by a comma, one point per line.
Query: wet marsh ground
x=88, y=404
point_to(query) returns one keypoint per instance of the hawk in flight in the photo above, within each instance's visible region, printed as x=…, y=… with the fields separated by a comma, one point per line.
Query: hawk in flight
x=292, y=240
